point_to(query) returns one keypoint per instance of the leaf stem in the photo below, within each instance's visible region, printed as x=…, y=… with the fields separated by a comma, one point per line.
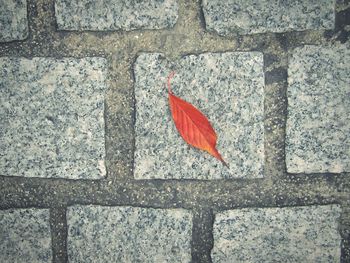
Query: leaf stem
x=171, y=75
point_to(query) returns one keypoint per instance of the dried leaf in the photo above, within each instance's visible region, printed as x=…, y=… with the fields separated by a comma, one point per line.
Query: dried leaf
x=193, y=125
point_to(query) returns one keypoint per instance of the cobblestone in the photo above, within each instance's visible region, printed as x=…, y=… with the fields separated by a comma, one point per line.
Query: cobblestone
x=228, y=88
x=251, y=17
x=13, y=20
x=115, y=15
x=25, y=235
x=318, y=124
x=299, y=234
x=51, y=116
x=128, y=234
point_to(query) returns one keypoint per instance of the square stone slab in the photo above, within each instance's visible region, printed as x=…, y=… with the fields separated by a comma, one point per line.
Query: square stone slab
x=115, y=14
x=13, y=20
x=228, y=88
x=128, y=234
x=51, y=117
x=318, y=124
x=25, y=235
x=291, y=234
x=252, y=16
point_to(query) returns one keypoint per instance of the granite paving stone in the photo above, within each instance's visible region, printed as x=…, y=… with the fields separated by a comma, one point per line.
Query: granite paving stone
x=13, y=20
x=318, y=124
x=25, y=235
x=51, y=117
x=115, y=14
x=259, y=16
x=292, y=234
x=128, y=234
x=228, y=88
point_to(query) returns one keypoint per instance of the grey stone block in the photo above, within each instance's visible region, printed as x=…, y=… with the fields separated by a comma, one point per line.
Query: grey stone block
x=259, y=16
x=51, y=117
x=128, y=234
x=115, y=14
x=25, y=235
x=13, y=20
x=293, y=234
x=318, y=124
x=228, y=88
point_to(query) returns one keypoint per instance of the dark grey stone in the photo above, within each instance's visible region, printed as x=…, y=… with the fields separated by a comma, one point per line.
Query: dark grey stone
x=115, y=14
x=228, y=88
x=291, y=234
x=318, y=124
x=51, y=117
x=260, y=16
x=13, y=20
x=25, y=235
x=128, y=234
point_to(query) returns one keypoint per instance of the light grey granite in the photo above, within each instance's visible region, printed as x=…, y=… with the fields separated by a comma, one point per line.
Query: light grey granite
x=51, y=117
x=228, y=88
x=128, y=234
x=25, y=235
x=115, y=14
x=259, y=16
x=318, y=124
x=293, y=234
x=13, y=20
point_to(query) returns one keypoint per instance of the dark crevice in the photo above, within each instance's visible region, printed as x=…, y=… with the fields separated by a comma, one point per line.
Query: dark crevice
x=342, y=19
x=133, y=114
x=202, y=236
x=276, y=75
x=201, y=16
x=58, y=225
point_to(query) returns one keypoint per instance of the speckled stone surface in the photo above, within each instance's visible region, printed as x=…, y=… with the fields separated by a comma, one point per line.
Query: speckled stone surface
x=115, y=14
x=128, y=234
x=51, y=117
x=13, y=20
x=318, y=124
x=25, y=235
x=294, y=234
x=228, y=88
x=252, y=16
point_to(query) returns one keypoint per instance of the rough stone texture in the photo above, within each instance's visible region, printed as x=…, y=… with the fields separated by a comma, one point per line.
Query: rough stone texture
x=228, y=88
x=295, y=234
x=25, y=235
x=119, y=188
x=318, y=124
x=13, y=20
x=128, y=234
x=252, y=16
x=115, y=14
x=51, y=117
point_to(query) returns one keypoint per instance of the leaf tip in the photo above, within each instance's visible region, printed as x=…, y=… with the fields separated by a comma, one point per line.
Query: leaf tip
x=218, y=156
x=225, y=163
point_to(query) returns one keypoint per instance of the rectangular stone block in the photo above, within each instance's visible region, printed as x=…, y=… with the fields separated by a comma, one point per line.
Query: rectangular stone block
x=13, y=20
x=115, y=14
x=128, y=234
x=25, y=235
x=318, y=124
x=51, y=117
x=291, y=234
x=228, y=88
x=251, y=16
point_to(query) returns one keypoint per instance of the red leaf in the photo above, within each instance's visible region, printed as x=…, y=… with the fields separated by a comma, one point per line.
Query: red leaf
x=192, y=125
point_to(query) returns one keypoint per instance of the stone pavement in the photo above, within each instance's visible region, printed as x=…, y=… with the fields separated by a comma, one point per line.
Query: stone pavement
x=92, y=168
